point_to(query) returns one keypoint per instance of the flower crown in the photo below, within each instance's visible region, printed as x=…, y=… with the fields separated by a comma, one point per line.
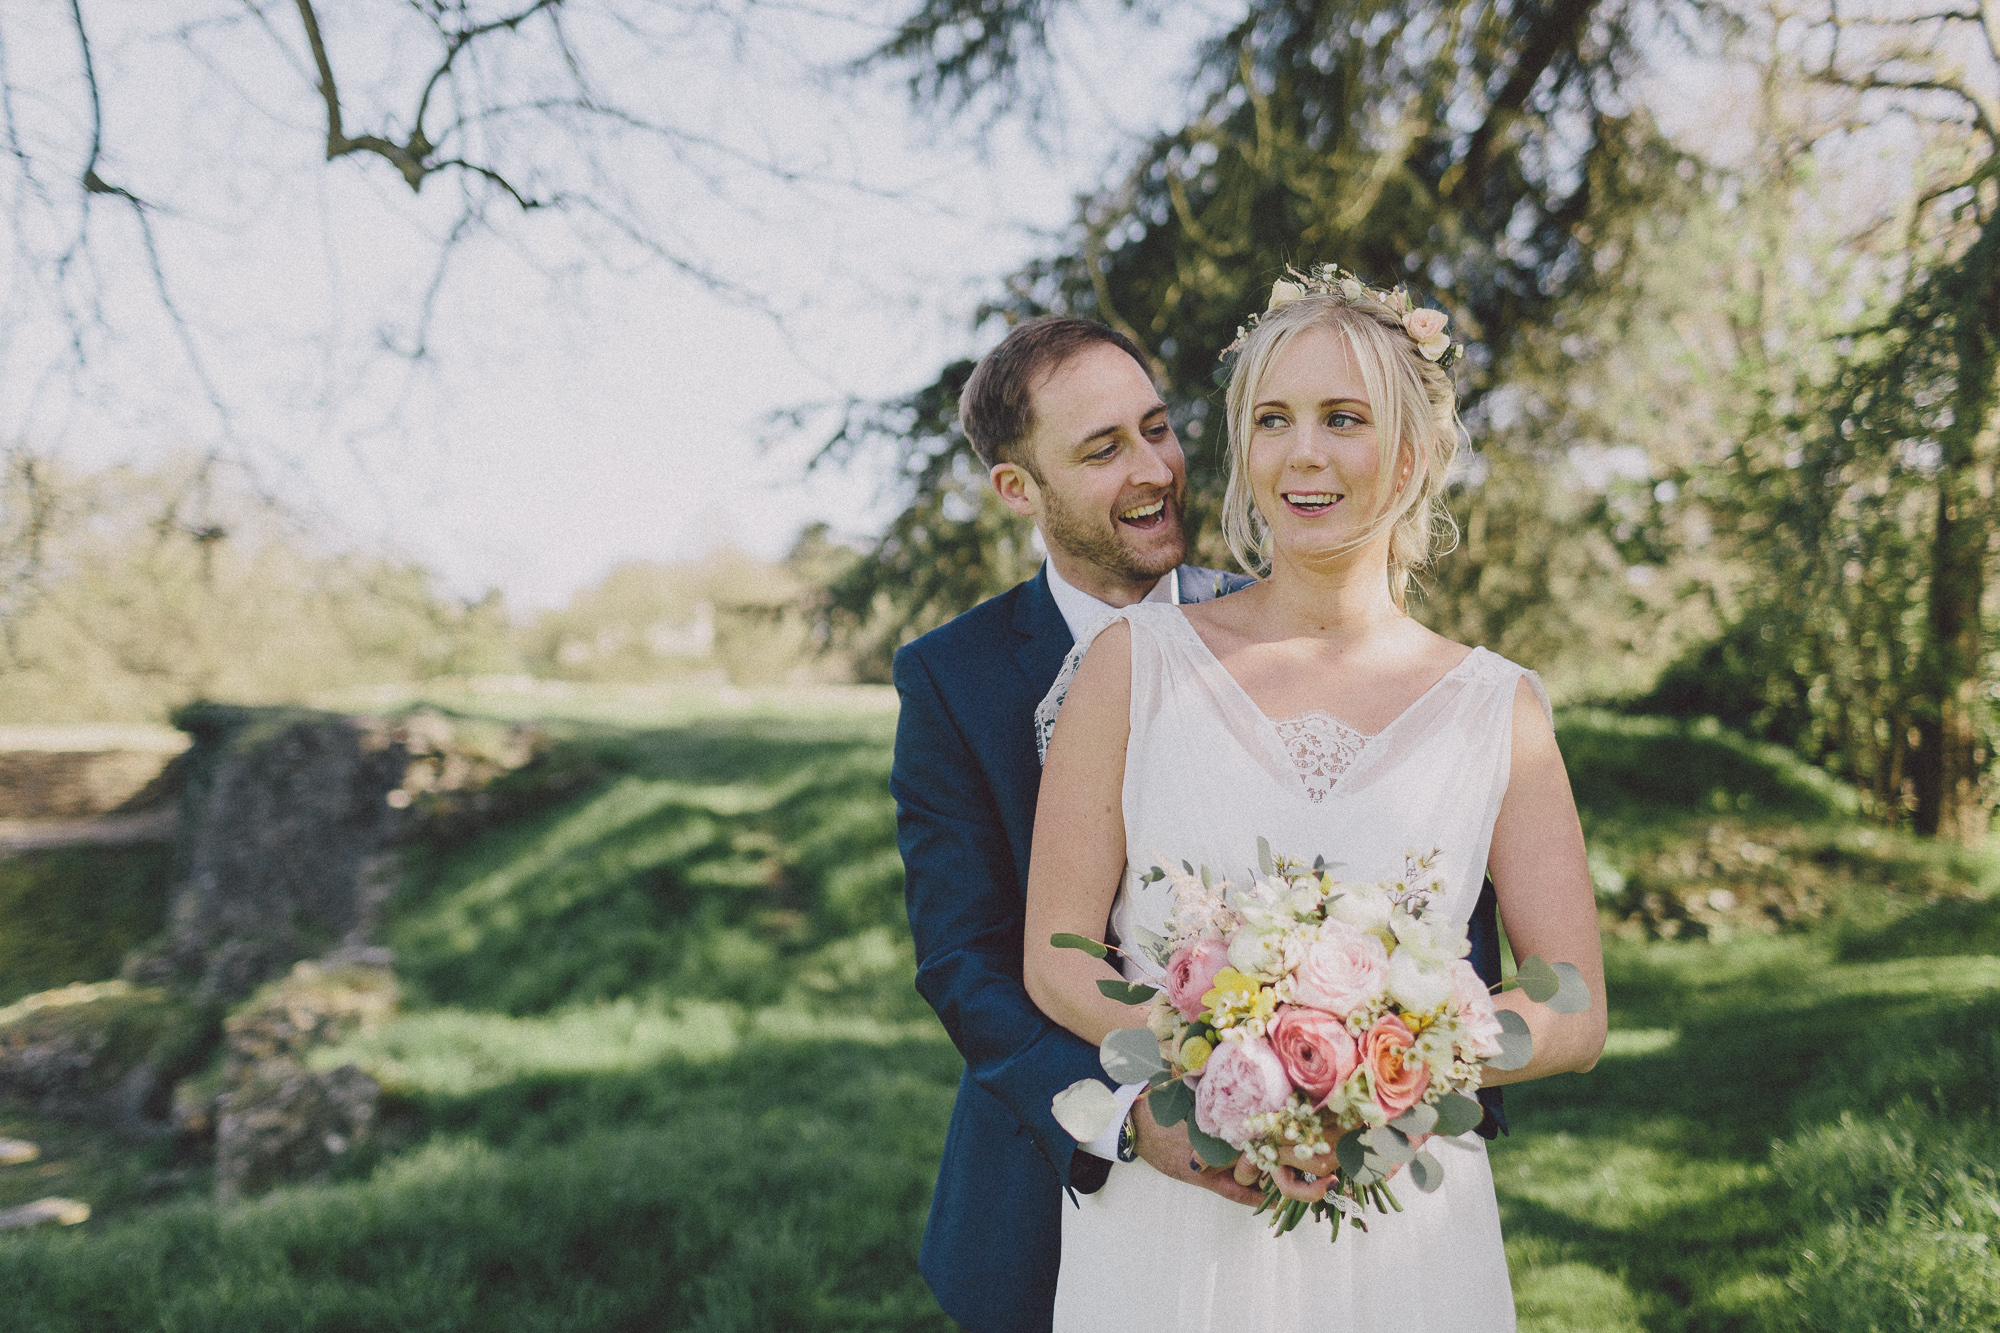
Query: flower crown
x=1425, y=326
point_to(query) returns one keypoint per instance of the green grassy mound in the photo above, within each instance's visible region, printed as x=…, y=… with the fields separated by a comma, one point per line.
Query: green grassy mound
x=71, y=914
x=665, y=1070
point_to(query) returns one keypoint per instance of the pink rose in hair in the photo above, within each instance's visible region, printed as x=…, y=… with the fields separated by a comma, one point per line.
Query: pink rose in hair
x=1474, y=1003
x=1425, y=325
x=1343, y=970
x=1397, y=1085
x=1315, y=1049
x=1191, y=974
x=1240, y=1079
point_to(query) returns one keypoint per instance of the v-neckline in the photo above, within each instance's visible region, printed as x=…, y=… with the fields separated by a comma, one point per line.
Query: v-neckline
x=1273, y=723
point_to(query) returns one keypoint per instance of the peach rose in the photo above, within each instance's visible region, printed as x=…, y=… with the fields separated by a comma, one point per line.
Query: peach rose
x=1240, y=1079
x=1425, y=325
x=1315, y=1049
x=1191, y=973
x=1397, y=1085
x=1343, y=970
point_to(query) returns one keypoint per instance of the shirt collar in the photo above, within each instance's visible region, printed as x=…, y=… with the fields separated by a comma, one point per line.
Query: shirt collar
x=1082, y=612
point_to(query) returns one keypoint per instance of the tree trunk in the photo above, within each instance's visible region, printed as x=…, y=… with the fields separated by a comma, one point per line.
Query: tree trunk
x=1947, y=769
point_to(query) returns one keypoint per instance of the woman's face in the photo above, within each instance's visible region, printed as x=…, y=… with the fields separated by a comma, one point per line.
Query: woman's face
x=1313, y=455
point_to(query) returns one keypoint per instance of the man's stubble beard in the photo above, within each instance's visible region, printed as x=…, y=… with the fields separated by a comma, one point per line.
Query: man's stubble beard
x=1098, y=542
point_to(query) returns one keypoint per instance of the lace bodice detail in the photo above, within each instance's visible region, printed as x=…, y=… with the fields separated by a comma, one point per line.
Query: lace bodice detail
x=1322, y=747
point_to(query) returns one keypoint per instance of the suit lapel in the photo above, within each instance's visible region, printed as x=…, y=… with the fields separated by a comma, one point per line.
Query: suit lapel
x=1045, y=636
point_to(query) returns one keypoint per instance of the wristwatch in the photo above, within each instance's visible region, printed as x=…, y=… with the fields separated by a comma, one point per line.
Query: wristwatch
x=1128, y=1140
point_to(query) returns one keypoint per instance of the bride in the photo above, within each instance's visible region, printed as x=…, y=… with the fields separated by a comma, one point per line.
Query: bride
x=1312, y=710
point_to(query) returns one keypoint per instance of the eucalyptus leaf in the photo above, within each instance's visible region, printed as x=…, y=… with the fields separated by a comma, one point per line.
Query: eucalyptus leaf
x=1390, y=1144
x=1517, y=1047
x=1163, y=1075
x=1171, y=1104
x=1426, y=1172
x=1130, y=1055
x=1574, y=996
x=1537, y=979
x=1458, y=1114
x=1088, y=945
x=1357, y=1163
x=1264, y=861
x=1211, y=1150
x=1512, y=1022
x=1085, y=1109
x=1126, y=992
x=1419, y=1119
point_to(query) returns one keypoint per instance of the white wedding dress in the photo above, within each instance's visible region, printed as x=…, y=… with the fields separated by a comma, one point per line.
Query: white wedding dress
x=1207, y=774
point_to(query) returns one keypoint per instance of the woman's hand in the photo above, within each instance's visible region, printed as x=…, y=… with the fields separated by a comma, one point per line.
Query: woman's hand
x=1294, y=1168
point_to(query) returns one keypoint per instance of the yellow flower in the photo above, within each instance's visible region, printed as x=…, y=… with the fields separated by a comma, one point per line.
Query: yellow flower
x=1194, y=1054
x=1229, y=981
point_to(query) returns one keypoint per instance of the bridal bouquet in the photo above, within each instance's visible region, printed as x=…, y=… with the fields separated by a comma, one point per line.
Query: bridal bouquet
x=1336, y=1018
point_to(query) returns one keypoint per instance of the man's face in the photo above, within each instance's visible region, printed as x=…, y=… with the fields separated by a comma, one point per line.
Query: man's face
x=1112, y=478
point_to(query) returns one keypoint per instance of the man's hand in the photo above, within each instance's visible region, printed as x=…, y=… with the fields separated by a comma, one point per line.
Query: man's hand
x=1169, y=1152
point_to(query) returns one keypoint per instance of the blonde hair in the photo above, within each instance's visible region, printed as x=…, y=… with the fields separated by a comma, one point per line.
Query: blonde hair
x=1416, y=416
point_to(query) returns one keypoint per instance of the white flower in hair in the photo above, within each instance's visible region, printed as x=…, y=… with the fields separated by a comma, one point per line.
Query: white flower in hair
x=1282, y=292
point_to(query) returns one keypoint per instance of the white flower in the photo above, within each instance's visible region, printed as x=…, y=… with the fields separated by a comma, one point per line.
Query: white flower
x=1415, y=987
x=1431, y=942
x=1282, y=292
x=1266, y=954
x=1363, y=906
x=1351, y=289
x=1433, y=348
x=1436, y=1047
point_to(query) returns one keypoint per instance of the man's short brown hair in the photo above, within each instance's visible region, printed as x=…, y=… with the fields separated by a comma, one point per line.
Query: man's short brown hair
x=995, y=410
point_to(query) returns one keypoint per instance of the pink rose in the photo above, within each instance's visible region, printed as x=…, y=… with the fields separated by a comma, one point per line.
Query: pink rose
x=1343, y=970
x=1476, y=1015
x=1241, y=1079
x=1315, y=1049
x=1191, y=974
x=1397, y=1085
x=1425, y=325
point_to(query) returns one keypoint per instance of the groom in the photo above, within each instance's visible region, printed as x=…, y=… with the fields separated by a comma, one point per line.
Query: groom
x=1075, y=437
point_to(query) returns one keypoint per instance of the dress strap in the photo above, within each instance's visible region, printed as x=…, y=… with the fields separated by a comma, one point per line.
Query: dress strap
x=1045, y=712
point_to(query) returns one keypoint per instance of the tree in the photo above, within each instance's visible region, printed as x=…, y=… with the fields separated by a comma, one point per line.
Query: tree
x=1483, y=152
x=1866, y=487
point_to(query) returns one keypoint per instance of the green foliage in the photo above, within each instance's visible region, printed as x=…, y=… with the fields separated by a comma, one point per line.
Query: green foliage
x=73, y=913
x=742, y=617
x=155, y=589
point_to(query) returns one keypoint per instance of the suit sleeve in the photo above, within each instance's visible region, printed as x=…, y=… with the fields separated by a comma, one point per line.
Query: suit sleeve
x=966, y=915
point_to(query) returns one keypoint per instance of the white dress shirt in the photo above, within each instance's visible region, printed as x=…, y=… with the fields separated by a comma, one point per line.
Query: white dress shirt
x=1083, y=613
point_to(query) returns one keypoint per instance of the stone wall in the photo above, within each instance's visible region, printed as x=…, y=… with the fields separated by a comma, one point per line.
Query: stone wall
x=289, y=825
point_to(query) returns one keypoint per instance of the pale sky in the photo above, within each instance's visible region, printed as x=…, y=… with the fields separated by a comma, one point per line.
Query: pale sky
x=575, y=413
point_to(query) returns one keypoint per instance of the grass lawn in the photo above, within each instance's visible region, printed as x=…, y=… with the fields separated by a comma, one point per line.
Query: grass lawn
x=662, y=1068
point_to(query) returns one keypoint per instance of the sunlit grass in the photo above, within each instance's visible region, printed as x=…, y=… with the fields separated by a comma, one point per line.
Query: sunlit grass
x=663, y=1068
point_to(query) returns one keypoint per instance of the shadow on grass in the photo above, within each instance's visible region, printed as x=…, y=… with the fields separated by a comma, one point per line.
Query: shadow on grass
x=1655, y=1168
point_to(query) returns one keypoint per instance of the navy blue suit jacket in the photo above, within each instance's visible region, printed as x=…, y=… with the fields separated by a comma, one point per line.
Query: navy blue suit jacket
x=965, y=778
